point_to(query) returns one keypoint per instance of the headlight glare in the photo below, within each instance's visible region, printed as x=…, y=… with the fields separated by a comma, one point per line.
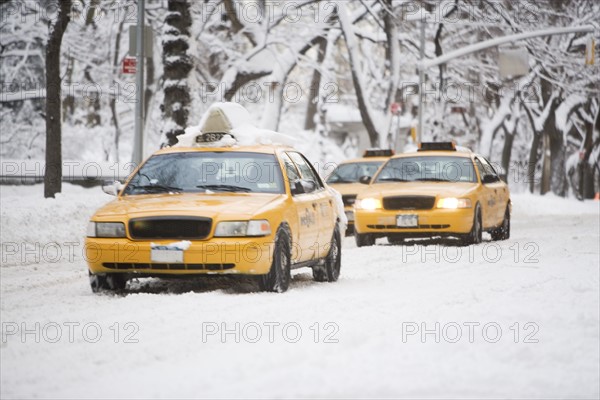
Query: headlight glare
x=368, y=203
x=452, y=203
x=106, y=229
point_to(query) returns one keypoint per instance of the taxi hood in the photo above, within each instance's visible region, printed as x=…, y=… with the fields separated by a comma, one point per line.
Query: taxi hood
x=240, y=205
x=441, y=189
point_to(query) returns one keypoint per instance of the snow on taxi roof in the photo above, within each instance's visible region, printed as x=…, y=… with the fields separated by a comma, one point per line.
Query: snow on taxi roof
x=228, y=124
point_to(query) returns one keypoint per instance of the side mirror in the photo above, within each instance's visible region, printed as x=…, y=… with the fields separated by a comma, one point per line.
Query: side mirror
x=365, y=179
x=112, y=187
x=301, y=186
x=489, y=179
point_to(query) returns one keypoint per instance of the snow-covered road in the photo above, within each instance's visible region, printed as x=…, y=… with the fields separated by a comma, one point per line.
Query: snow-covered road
x=518, y=318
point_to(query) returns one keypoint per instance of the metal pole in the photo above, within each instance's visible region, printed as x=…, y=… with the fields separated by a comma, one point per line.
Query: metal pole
x=138, y=142
x=421, y=83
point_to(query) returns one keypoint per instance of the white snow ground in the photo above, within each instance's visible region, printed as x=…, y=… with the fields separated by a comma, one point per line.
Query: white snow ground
x=158, y=341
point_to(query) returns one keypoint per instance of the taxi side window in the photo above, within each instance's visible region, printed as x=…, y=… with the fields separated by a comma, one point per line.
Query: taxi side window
x=290, y=168
x=480, y=168
x=306, y=170
x=489, y=167
x=486, y=169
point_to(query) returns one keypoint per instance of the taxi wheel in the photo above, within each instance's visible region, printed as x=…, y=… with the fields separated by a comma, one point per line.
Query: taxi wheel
x=503, y=232
x=330, y=272
x=278, y=278
x=108, y=282
x=364, y=239
x=475, y=236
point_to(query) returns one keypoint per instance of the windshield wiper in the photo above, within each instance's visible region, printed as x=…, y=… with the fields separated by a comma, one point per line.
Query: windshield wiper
x=342, y=181
x=225, y=188
x=157, y=188
x=431, y=180
x=394, y=180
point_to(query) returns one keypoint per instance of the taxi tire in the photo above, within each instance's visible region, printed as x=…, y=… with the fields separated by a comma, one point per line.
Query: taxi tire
x=330, y=271
x=107, y=282
x=503, y=232
x=279, y=276
x=475, y=236
x=364, y=239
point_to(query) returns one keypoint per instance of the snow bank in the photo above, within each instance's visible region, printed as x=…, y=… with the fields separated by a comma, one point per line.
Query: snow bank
x=551, y=205
x=34, y=227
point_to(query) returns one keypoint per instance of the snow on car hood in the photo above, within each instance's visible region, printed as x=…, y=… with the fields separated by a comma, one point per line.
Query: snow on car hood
x=452, y=189
x=200, y=204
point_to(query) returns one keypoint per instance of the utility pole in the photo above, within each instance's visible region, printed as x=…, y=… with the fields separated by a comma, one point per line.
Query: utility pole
x=421, y=83
x=138, y=141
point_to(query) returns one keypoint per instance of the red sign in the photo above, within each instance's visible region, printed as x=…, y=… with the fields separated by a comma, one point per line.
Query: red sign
x=395, y=108
x=129, y=65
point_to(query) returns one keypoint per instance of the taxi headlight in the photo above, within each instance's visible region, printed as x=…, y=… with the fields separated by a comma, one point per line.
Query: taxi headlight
x=368, y=203
x=243, y=228
x=106, y=229
x=453, y=203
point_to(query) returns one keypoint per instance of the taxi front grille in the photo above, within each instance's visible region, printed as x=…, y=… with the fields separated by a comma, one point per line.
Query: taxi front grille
x=349, y=199
x=408, y=202
x=170, y=227
x=169, y=266
x=445, y=226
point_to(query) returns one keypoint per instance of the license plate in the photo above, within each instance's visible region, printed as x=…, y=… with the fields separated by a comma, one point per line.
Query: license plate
x=407, y=221
x=166, y=256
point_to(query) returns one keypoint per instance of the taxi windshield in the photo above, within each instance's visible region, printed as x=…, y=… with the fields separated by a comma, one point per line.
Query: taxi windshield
x=243, y=172
x=427, y=169
x=351, y=172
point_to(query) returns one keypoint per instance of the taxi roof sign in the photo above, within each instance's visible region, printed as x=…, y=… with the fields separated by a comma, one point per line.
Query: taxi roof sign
x=216, y=122
x=436, y=146
x=378, y=153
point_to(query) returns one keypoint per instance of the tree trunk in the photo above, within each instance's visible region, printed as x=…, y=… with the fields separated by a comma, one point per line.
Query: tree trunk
x=113, y=101
x=53, y=173
x=315, y=85
x=533, y=153
x=509, y=138
x=177, y=65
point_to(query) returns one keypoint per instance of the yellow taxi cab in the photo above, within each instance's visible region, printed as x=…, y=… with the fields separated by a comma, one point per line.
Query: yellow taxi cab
x=346, y=178
x=439, y=190
x=217, y=208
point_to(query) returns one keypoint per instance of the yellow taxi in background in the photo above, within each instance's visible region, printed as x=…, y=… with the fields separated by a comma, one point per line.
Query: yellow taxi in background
x=256, y=209
x=346, y=177
x=439, y=190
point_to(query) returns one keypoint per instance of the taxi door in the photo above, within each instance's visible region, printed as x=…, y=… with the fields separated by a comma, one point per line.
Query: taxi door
x=322, y=204
x=499, y=193
x=486, y=197
x=307, y=224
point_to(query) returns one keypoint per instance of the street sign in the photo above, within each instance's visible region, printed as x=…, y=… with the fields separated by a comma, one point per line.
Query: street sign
x=513, y=61
x=395, y=108
x=129, y=65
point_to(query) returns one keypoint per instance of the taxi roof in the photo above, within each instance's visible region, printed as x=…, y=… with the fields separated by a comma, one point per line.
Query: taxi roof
x=429, y=153
x=261, y=148
x=365, y=159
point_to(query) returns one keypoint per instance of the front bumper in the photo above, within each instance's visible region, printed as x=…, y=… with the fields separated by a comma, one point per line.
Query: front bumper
x=430, y=222
x=251, y=256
